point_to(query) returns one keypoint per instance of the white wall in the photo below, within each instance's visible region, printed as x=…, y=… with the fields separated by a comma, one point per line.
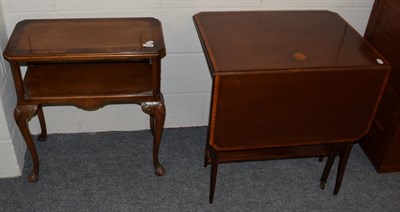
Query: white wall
x=186, y=83
x=12, y=147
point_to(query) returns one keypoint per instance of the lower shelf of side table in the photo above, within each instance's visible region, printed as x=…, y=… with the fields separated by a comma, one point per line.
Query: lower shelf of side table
x=65, y=80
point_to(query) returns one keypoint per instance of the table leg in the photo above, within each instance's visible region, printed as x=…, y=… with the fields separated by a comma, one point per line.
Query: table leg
x=156, y=110
x=213, y=175
x=344, y=156
x=328, y=165
x=22, y=114
x=152, y=123
x=207, y=157
x=43, y=135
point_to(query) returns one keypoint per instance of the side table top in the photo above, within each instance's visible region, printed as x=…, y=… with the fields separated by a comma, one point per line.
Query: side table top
x=82, y=39
x=281, y=40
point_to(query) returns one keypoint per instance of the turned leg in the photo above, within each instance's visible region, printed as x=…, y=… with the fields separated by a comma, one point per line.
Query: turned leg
x=156, y=110
x=22, y=114
x=344, y=156
x=328, y=166
x=213, y=175
x=43, y=134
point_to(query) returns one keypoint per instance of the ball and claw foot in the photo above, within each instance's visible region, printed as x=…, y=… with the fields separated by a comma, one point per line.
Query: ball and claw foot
x=322, y=185
x=33, y=177
x=160, y=171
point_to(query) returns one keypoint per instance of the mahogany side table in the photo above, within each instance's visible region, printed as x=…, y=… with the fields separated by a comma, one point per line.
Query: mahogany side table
x=87, y=63
x=287, y=84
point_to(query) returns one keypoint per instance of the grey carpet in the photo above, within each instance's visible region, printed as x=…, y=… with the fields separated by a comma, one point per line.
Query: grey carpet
x=112, y=171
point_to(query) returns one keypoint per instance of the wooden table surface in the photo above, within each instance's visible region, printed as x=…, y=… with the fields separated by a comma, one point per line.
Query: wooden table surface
x=279, y=40
x=75, y=39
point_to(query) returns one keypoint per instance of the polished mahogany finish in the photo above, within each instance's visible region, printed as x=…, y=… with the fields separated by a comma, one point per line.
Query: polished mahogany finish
x=382, y=145
x=287, y=84
x=87, y=63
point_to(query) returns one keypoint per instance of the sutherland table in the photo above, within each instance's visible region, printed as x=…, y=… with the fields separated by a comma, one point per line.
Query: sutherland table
x=87, y=63
x=287, y=84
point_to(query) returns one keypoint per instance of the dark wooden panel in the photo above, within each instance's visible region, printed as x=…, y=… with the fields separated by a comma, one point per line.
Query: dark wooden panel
x=287, y=108
x=275, y=153
x=384, y=35
x=59, y=80
x=382, y=145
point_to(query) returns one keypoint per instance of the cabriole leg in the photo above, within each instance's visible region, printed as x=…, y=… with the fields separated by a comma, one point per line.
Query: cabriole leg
x=22, y=115
x=43, y=134
x=152, y=124
x=156, y=110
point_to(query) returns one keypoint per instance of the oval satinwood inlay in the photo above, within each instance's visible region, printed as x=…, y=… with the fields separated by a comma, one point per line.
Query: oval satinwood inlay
x=299, y=56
